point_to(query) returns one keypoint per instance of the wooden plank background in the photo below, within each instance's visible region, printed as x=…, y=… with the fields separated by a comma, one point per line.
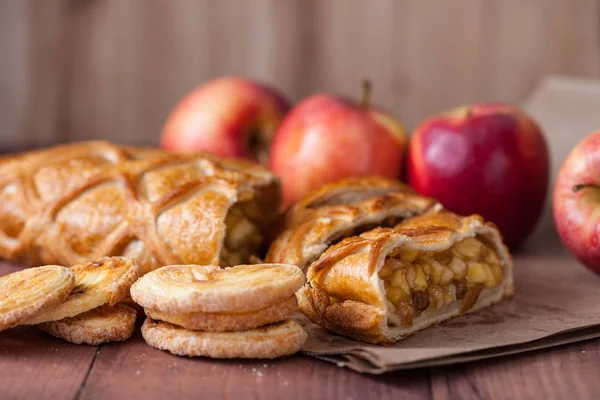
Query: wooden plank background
x=81, y=69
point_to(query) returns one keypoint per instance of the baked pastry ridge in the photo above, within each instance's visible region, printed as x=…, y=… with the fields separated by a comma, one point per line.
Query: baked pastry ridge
x=346, y=191
x=389, y=283
x=340, y=210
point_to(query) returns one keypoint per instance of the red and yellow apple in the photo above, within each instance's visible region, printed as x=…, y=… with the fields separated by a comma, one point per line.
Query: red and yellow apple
x=576, y=202
x=230, y=117
x=326, y=138
x=490, y=159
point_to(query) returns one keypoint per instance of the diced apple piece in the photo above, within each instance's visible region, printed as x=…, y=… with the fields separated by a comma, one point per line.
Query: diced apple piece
x=447, y=277
x=408, y=255
x=449, y=295
x=420, y=278
x=437, y=271
x=426, y=266
x=239, y=232
x=459, y=268
x=476, y=272
x=497, y=272
x=389, y=266
x=444, y=257
x=234, y=215
x=398, y=280
x=394, y=263
x=469, y=247
x=492, y=258
x=396, y=295
x=491, y=281
x=385, y=271
x=436, y=294
x=410, y=275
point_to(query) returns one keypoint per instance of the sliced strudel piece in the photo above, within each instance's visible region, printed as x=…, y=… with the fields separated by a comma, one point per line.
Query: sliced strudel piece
x=389, y=283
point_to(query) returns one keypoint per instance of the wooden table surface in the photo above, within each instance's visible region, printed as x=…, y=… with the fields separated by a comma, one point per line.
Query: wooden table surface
x=34, y=365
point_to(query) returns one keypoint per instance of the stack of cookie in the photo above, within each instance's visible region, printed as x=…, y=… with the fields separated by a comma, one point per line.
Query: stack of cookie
x=238, y=312
x=78, y=304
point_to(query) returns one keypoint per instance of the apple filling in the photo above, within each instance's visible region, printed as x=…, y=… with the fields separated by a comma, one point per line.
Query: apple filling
x=417, y=281
x=243, y=236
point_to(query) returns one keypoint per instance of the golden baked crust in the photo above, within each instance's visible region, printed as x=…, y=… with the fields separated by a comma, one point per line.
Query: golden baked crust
x=100, y=325
x=78, y=202
x=348, y=272
x=232, y=321
x=343, y=209
x=27, y=293
x=104, y=281
x=271, y=341
x=343, y=192
x=178, y=289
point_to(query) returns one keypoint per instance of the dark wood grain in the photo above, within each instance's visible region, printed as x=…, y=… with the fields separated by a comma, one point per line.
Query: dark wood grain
x=568, y=372
x=133, y=369
x=37, y=366
x=34, y=365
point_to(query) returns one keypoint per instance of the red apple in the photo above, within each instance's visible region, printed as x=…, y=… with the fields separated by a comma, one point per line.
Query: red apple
x=490, y=159
x=326, y=138
x=577, y=202
x=230, y=117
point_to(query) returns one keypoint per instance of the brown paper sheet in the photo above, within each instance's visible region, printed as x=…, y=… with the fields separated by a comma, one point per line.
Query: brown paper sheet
x=557, y=300
x=361, y=365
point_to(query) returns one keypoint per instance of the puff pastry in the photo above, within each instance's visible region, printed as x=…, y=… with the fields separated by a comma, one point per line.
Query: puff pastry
x=339, y=210
x=388, y=283
x=73, y=203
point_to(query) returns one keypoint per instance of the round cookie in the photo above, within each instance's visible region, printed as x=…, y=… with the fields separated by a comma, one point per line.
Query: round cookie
x=179, y=289
x=100, y=325
x=29, y=292
x=105, y=281
x=271, y=341
x=222, y=322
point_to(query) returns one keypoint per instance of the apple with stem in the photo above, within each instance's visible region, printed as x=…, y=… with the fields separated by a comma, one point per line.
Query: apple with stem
x=230, y=117
x=489, y=159
x=326, y=138
x=576, y=202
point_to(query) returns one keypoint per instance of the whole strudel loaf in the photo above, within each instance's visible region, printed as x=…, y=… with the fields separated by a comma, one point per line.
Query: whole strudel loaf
x=77, y=202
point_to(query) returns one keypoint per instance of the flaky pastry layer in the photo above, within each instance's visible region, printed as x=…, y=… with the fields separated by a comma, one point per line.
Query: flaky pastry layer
x=343, y=209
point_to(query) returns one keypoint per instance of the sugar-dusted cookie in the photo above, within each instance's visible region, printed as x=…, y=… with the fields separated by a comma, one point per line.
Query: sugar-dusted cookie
x=271, y=341
x=27, y=293
x=100, y=325
x=178, y=289
x=234, y=321
x=105, y=281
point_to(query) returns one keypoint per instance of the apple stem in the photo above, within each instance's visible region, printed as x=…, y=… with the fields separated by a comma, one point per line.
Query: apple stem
x=577, y=188
x=366, y=93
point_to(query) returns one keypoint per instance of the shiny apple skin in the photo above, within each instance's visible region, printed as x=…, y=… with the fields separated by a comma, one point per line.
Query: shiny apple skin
x=490, y=159
x=577, y=214
x=326, y=138
x=220, y=116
